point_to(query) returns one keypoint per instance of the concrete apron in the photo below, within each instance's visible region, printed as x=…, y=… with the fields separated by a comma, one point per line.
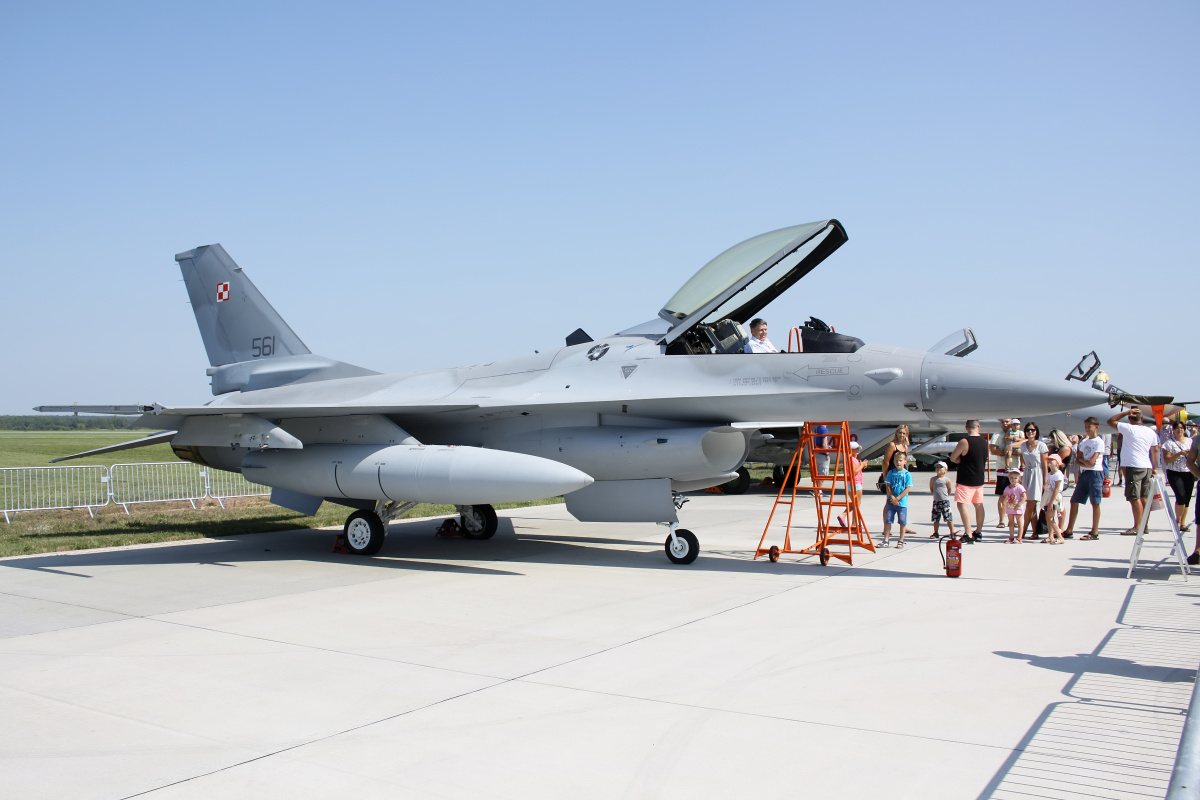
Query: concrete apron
x=562, y=659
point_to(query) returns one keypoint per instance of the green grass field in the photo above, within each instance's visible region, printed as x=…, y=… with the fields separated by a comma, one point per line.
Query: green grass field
x=55, y=531
x=36, y=448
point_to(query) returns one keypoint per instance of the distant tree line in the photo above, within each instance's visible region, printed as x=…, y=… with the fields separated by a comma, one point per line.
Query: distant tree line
x=58, y=422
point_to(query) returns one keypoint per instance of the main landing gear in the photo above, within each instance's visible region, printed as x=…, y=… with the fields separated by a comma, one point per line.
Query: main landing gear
x=365, y=531
x=738, y=485
x=478, y=522
x=682, y=545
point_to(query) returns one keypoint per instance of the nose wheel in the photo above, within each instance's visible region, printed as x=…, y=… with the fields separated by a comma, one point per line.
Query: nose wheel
x=682, y=546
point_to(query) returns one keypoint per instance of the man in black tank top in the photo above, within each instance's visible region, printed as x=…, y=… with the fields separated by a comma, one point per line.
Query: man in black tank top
x=971, y=455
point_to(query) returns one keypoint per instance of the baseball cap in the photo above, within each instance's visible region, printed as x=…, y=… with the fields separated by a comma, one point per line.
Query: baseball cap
x=1054, y=457
x=1015, y=471
x=1012, y=422
x=942, y=465
x=855, y=446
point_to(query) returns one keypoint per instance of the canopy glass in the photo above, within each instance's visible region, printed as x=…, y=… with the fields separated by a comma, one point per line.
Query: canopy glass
x=742, y=280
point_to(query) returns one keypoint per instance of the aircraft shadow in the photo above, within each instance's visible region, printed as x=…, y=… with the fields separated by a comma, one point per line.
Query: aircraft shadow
x=412, y=545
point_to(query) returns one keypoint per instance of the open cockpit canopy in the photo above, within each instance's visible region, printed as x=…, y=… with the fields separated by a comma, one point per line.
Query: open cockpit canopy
x=741, y=281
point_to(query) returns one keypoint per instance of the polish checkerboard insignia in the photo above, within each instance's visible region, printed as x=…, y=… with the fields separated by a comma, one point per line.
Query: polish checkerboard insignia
x=222, y=292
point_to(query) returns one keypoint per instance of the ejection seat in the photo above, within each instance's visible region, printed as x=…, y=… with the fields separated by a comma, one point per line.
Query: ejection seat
x=728, y=336
x=817, y=337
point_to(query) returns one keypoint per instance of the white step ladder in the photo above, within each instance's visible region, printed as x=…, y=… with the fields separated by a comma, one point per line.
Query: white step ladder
x=1179, y=551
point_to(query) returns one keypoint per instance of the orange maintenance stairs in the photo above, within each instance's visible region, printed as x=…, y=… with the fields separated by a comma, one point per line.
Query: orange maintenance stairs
x=839, y=518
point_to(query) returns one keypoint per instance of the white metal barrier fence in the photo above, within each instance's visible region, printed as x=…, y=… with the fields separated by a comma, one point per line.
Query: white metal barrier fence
x=46, y=488
x=156, y=483
x=223, y=485
x=92, y=487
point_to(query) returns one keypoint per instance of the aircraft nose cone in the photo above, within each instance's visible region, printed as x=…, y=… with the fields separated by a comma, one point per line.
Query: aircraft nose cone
x=958, y=388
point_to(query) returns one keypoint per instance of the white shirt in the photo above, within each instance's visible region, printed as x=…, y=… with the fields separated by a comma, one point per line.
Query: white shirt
x=1136, y=441
x=1172, y=446
x=760, y=346
x=1088, y=448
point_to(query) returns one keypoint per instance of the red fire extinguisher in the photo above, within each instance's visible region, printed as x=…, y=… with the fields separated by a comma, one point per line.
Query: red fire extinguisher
x=952, y=556
x=1107, y=486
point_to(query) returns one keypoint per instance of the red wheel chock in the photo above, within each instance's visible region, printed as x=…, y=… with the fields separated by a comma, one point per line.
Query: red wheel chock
x=449, y=528
x=339, y=544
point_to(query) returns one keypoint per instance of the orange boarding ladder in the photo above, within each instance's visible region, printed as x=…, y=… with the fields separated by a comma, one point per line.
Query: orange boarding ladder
x=850, y=530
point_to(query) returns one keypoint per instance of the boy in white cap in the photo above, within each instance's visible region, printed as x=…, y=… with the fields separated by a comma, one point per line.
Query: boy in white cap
x=942, y=490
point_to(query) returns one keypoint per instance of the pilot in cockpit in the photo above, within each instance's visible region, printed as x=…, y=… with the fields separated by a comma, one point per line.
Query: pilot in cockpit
x=758, y=341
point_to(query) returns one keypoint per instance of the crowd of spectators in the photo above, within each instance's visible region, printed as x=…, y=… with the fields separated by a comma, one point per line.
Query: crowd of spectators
x=1034, y=472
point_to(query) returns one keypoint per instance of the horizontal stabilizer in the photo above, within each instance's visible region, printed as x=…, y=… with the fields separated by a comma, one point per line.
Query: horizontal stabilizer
x=75, y=408
x=156, y=438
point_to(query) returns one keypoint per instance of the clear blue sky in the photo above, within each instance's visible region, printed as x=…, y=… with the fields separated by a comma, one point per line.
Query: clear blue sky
x=431, y=185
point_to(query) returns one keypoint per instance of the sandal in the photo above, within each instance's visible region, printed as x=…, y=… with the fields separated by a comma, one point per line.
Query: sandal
x=899, y=545
x=934, y=535
x=1130, y=532
x=1047, y=541
x=1091, y=537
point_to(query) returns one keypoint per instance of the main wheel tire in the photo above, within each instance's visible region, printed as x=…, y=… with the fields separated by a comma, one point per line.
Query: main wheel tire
x=478, y=522
x=686, y=547
x=738, y=485
x=778, y=474
x=364, y=533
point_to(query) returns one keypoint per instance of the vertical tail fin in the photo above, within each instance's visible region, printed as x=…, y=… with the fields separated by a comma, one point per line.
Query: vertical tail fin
x=236, y=321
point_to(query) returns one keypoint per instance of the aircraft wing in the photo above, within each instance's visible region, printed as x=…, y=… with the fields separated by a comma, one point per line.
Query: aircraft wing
x=155, y=438
x=304, y=410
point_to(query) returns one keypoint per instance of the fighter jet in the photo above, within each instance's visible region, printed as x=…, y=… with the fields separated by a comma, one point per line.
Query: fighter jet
x=619, y=425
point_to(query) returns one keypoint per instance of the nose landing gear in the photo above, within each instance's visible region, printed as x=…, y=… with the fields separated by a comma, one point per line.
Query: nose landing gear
x=682, y=546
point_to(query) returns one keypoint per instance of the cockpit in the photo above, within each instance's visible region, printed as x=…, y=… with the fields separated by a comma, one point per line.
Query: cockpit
x=710, y=313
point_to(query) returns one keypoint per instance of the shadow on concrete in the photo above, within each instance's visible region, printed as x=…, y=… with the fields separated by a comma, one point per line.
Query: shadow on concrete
x=1069, y=732
x=1090, y=662
x=412, y=545
x=1115, y=572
